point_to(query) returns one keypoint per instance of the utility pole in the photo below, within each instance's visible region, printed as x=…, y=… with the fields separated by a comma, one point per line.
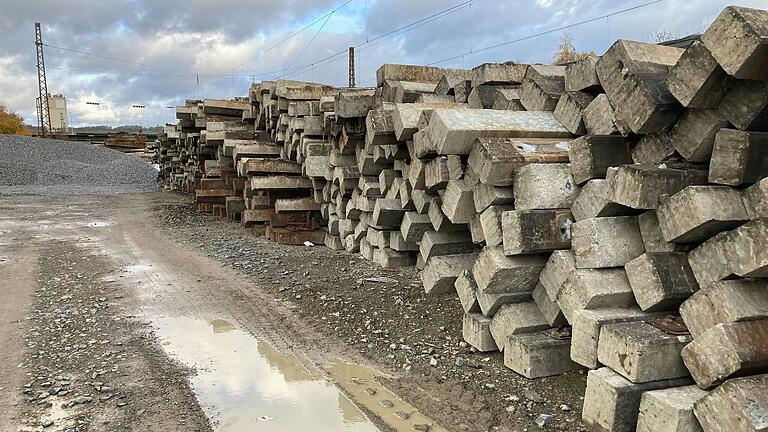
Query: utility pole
x=351, y=67
x=43, y=110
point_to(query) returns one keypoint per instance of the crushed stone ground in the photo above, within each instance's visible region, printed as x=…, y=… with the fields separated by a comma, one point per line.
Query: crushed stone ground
x=36, y=166
x=394, y=325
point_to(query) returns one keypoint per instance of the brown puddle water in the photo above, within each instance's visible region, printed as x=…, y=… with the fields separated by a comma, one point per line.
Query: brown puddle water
x=244, y=384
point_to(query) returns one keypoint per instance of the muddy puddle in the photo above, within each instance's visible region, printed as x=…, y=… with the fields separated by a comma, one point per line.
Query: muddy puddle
x=244, y=384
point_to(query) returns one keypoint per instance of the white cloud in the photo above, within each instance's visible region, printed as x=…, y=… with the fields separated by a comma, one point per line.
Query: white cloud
x=18, y=86
x=190, y=40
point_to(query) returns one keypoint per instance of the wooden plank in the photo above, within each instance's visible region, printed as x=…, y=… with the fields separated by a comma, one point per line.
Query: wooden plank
x=211, y=195
x=279, y=183
x=296, y=204
x=295, y=237
x=254, y=166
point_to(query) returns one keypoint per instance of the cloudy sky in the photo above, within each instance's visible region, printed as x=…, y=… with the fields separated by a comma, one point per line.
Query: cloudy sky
x=157, y=53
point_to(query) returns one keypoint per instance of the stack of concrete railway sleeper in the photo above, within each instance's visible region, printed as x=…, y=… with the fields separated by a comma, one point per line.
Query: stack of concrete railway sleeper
x=644, y=257
x=281, y=191
x=608, y=214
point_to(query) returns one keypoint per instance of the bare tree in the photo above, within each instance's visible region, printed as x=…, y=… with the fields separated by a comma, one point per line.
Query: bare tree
x=566, y=52
x=660, y=36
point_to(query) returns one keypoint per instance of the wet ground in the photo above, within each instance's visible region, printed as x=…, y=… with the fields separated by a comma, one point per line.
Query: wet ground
x=244, y=384
x=133, y=312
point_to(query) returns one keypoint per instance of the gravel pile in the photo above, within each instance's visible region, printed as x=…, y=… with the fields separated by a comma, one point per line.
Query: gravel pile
x=53, y=167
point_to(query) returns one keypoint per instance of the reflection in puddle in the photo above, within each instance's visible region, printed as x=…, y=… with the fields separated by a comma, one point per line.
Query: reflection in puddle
x=221, y=326
x=244, y=384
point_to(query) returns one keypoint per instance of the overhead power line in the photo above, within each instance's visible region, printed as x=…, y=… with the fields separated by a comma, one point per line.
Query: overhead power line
x=293, y=35
x=419, y=22
x=117, y=59
x=310, y=41
x=554, y=30
x=369, y=43
x=193, y=74
x=535, y=35
x=385, y=36
x=284, y=72
x=97, y=71
x=94, y=71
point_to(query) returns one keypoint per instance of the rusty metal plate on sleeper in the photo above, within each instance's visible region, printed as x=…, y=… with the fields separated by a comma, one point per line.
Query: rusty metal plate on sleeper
x=671, y=324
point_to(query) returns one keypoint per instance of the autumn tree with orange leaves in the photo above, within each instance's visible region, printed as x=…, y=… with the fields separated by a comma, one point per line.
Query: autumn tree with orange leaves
x=12, y=123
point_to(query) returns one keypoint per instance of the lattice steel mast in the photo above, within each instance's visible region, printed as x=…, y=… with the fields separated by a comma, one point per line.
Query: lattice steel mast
x=43, y=110
x=351, y=67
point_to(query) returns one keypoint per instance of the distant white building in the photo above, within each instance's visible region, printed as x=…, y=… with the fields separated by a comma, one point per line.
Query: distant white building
x=57, y=104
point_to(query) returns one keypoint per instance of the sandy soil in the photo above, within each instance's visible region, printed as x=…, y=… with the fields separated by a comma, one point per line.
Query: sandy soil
x=16, y=278
x=98, y=268
x=79, y=362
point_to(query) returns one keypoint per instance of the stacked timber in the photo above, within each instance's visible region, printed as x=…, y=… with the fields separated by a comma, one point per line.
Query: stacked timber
x=280, y=192
x=168, y=157
x=126, y=142
x=219, y=188
x=176, y=152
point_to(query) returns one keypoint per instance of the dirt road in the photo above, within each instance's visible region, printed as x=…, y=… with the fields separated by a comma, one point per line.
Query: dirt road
x=132, y=312
x=16, y=265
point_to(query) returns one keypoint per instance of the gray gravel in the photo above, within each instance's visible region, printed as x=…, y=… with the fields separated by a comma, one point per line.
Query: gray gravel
x=37, y=166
